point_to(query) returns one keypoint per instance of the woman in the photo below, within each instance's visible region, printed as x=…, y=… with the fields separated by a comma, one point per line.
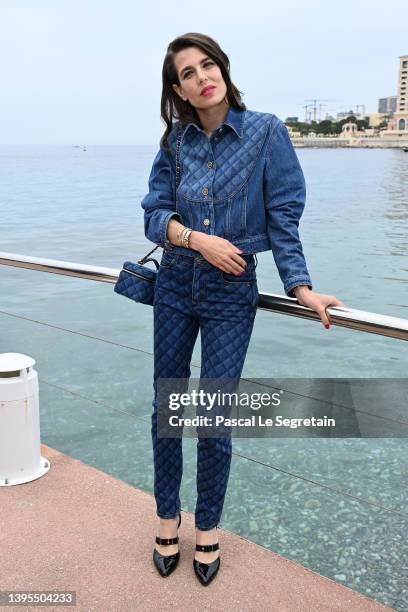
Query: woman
x=241, y=192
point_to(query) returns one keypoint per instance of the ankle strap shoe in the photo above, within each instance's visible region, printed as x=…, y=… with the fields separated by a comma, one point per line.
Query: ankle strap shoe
x=206, y=572
x=166, y=564
x=207, y=547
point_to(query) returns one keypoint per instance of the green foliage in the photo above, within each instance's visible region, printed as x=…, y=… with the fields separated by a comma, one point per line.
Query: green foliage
x=326, y=126
x=363, y=124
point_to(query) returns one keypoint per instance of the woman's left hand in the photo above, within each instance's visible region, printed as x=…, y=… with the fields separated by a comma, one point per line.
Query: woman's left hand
x=317, y=302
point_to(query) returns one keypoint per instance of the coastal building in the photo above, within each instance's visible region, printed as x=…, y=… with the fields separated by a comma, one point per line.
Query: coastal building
x=345, y=114
x=393, y=110
x=293, y=133
x=387, y=105
x=398, y=125
x=358, y=114
x=375, y=119
x=350, y=130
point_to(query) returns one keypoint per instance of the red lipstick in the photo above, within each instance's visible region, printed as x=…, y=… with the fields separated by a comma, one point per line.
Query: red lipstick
x=207, y=90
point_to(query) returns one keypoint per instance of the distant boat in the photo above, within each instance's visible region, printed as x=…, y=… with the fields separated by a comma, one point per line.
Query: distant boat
x=405, y=149
x=76, y=146
x=84, y=149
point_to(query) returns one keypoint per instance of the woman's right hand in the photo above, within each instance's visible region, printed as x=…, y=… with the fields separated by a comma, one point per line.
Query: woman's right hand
x=219, y=252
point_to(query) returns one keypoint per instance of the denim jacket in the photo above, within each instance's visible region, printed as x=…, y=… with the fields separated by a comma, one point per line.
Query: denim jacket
x=244, y=183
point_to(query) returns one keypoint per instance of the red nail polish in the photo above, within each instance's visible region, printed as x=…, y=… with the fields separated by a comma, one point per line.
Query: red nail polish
x=326, y=325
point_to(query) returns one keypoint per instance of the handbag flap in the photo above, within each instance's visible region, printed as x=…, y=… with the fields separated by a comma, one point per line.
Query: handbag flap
x=139, y=269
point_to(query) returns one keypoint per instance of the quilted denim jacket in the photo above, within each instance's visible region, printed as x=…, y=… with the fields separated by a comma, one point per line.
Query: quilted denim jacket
x=244, y=183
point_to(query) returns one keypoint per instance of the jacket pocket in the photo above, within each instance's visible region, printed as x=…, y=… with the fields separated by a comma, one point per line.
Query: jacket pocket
x=237, y=213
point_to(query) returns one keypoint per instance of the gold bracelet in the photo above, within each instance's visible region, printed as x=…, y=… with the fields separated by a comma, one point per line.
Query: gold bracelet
x=179, y=231
x=183, y=234
x=186, y=236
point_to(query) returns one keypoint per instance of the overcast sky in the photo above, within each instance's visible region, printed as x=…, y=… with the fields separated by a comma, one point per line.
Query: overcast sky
x=89, y=71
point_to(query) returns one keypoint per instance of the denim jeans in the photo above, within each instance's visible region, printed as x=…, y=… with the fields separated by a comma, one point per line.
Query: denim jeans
x=191, y=295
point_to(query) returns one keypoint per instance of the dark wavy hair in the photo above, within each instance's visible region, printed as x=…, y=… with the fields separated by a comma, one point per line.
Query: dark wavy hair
x=172, y=106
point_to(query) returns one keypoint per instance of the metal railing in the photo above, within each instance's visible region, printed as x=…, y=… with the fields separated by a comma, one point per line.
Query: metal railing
x=361, y=320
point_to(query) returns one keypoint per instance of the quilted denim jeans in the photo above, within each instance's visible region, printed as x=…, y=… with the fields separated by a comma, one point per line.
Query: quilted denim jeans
x=191, y=295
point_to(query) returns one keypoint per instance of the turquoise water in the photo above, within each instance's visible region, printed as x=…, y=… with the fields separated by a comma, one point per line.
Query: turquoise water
x=337, y=506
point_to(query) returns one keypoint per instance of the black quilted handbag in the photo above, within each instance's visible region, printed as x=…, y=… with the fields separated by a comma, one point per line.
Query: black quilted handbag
x=136, y=281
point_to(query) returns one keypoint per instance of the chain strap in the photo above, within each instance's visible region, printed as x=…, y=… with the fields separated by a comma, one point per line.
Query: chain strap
x=178, y=159
x=143, y=260
x=178, y=172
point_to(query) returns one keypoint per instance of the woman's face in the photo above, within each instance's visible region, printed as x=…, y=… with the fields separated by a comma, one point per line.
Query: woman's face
x=201, y=81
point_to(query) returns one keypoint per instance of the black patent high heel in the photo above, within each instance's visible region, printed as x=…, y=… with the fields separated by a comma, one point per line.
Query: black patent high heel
x=166, y=564
x=206, y=572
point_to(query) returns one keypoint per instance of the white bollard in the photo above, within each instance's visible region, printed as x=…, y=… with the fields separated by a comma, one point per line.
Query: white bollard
x=20, y=446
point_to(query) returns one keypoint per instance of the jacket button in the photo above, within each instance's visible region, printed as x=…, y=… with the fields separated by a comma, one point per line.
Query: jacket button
x=205, y=191
x=221, y=130
x=210, y=164
x=206, y=222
